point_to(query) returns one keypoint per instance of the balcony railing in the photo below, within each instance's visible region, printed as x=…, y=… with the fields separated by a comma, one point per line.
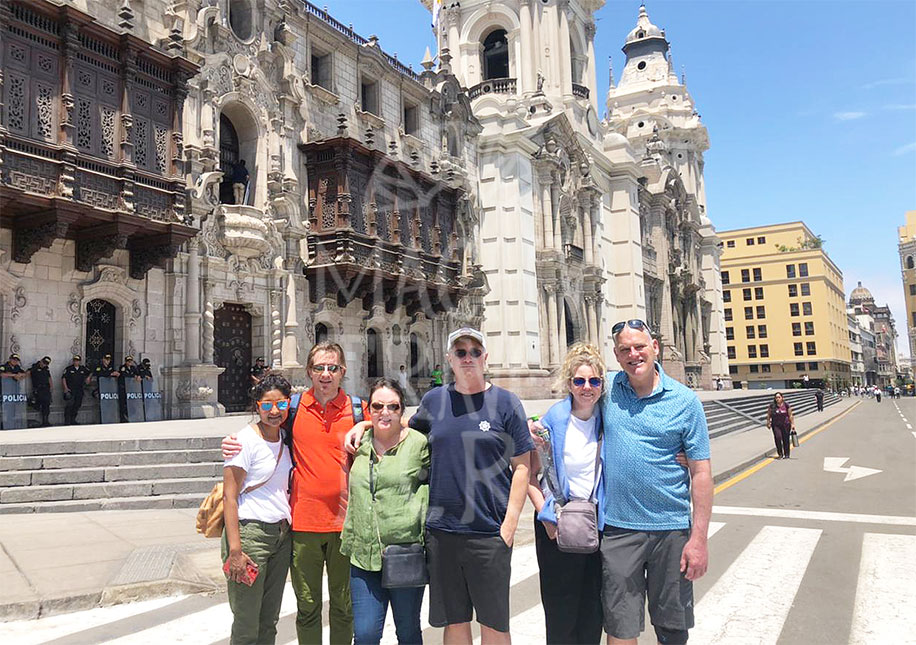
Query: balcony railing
x=580, y=91
x=493, y=86
x=574, y=252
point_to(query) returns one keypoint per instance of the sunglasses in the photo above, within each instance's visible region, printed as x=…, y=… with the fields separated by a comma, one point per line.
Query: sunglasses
x=391, y=407
x=475, y=352
x=331, y=369
x=636, y=323
x=267, y=406
x=594, y=381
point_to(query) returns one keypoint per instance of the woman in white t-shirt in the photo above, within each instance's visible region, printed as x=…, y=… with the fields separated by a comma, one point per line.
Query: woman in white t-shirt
x=571, y=582
x=256, y=541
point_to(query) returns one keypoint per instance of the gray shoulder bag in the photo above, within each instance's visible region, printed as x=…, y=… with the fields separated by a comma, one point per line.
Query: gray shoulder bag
x=577, y=519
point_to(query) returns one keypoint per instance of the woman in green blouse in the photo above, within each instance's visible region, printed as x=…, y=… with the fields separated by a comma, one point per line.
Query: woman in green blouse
x=389, y=495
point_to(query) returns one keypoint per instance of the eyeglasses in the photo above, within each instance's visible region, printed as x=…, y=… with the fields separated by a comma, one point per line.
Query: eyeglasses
x=378, y=407
x=594, y=381
x=267, y=406
x=475, y=352
x=332, y=369
x=636, y=323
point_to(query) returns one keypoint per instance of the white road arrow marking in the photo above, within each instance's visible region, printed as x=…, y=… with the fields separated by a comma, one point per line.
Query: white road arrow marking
x=835, y=465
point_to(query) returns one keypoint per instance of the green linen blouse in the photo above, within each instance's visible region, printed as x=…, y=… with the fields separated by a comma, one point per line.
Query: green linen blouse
x=389, y=496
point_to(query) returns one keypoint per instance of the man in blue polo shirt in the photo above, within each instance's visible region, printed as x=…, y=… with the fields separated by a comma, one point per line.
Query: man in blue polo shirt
x=651, y=545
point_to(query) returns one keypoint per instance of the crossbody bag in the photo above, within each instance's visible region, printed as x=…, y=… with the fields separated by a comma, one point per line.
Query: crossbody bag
x=577, y=519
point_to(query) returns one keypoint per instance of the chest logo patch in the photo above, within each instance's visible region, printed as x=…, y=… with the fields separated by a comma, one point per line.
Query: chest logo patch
x=484, y=426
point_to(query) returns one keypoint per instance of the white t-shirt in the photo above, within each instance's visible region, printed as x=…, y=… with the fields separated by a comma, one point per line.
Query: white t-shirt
x=579, y=456
x=270, y=502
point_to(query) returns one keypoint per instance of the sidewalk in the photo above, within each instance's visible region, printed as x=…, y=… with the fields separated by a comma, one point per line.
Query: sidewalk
x=60, y=562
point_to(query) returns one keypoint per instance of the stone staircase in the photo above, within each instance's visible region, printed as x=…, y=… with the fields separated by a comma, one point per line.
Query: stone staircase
x=117, y=474
x=724, y=416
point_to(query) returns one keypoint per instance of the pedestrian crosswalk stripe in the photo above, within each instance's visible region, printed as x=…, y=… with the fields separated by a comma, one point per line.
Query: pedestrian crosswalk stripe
x=885, y=609
x=823, y=516
x=714, y=528
x=741, y=607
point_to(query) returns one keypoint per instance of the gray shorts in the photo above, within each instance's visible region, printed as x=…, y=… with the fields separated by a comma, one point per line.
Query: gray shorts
x=637, y=564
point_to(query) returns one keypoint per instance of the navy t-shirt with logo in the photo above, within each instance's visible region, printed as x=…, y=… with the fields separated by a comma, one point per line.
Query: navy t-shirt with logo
x=472, y=439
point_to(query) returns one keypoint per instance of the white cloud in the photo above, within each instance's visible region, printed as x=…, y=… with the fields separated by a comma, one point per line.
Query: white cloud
x=903, y=80
x=900, y=106
x=848, y=116
x=902, y=150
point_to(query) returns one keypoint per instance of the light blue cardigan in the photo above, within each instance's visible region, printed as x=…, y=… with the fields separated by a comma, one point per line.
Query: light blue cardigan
x=557, y=421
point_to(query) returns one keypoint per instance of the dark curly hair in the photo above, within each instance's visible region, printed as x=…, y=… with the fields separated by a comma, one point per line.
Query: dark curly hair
x=267, y=384
x=391, y=385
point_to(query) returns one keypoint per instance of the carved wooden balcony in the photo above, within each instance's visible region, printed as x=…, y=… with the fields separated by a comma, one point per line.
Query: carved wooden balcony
x=90, y=141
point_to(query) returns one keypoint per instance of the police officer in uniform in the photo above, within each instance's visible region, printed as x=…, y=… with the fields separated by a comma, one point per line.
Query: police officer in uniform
x=127, y=370
x=145, y=370
x=74, y=381
x=105, y=368
x=12, y=368
x=41, y=388
x=258, y=371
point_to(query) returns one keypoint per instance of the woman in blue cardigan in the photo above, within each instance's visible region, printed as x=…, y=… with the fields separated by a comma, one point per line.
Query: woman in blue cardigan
x=571, y=582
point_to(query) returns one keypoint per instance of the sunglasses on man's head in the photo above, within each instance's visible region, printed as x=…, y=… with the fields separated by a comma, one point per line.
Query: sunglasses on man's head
x=267, y=406
x=636, y=323
x=475, y=352
x=332, y=369
x=378, y=407
x=594, y=381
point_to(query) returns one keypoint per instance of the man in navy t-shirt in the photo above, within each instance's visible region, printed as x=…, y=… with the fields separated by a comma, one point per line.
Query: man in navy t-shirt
x=479, y=445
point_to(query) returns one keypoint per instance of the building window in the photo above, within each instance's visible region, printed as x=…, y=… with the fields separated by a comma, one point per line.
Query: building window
x=240, y=18
x=758, y=293
x=750, y=241
x=793, y=290
x=752, y=351
x=731, y=351
x=909, y=262
x=745, y=275
x=758, y=276
x=806, y=308
x=726, y=296
x=790, y=270
x=321, y=69
x=914, y=319
x=746, y=294
x=761, y=240
x=732, y=369
x=321, y=333
x=761, y=331
x=411, y=119
x=761, y=311
x=728, y=313
x=729, y=333
x=799, y=350
x=800, y=367
x=725, y=277
x=811, y=347
x=793, y=308
x=764, y=351
x=806, y=289
x=913, y=289
x=753, y=369
x=749, y=331
x=803, y=270
x=813, y=367
x=748, y=313
x=730, y=244
x=796, y=329
x=765, y=368
x=368, y=94
x=496, y=55
x=809, y=329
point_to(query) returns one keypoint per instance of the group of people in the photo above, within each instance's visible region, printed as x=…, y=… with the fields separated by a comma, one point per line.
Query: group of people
x=74, y=380
x=325, y=481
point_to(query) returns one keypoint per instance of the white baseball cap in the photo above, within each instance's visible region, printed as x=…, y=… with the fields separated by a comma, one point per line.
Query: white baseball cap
x=465, y=332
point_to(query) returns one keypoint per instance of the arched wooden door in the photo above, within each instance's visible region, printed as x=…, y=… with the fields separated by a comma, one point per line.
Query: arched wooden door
x=232, y=350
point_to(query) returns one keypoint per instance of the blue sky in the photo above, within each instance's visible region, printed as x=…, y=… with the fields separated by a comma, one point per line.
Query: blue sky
x=810, y=107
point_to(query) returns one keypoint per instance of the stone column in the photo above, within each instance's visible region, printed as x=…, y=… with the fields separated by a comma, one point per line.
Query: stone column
x=593, y=227
x=591, y=74
x=290, y=346
x=591, y=310
x=545, y=181
x=525, y=66
x=276, y=328
x=192, y=305
x=209, y=323
x=561, y=321
x=555, y=215
x=585, y=205
x=552, y=348
x=563, y=53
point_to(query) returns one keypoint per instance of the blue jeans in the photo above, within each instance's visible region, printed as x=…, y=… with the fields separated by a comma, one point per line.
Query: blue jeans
x=370, y=605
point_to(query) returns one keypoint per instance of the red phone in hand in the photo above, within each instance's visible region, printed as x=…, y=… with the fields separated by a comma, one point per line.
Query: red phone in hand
x=250, y=568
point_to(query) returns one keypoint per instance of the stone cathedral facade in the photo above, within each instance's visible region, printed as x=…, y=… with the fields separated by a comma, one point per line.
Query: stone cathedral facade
x=379, y=206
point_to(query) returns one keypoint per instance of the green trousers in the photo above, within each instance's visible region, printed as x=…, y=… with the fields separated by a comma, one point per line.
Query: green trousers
x=311, y=552
x=256, y=609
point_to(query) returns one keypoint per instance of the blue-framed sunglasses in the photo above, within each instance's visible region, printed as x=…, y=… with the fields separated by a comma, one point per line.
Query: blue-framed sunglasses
x=580, y=381
x=267, y=406
x=636, y=323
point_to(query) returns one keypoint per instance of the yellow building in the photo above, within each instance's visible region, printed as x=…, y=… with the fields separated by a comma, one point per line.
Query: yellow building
x=785, y=309
x=907, y=248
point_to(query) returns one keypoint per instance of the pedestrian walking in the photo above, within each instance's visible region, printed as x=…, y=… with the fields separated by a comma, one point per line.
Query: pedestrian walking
x=256, y=543
x=878, y=394
x=387, y=507
x=73, y=381
x=819, y=399
x=782, y=422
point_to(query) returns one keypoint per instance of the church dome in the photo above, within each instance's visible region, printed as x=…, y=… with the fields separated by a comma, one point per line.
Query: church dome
x=860, y=295
x=644, y=28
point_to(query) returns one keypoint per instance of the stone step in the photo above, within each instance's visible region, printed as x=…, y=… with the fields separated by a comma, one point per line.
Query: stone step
x=180, y=500
x=114, y=474
x=101, y=490
x=43, y=448
x=102, y=459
